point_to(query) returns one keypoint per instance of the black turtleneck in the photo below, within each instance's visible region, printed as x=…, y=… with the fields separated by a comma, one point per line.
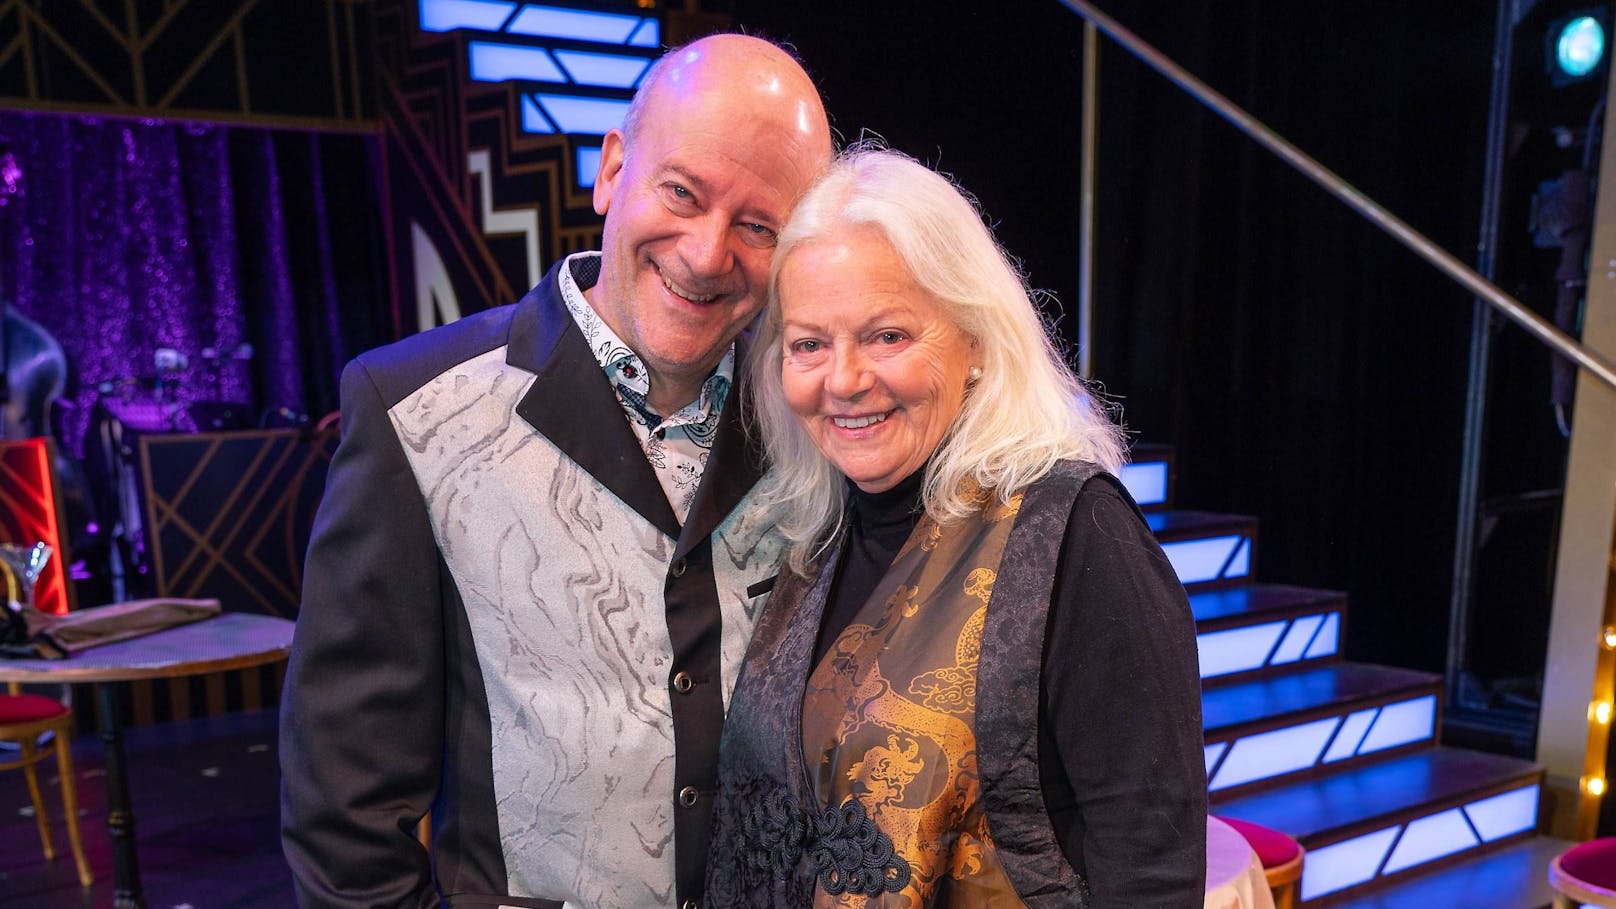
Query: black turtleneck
x=878, y=523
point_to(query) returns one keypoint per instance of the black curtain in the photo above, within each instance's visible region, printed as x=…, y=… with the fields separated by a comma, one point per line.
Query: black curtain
x=1309, y=370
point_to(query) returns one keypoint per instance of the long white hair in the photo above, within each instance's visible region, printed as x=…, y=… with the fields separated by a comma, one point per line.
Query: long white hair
x=1026, y=412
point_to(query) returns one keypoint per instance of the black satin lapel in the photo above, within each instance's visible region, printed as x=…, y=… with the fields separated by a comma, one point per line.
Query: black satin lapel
x=573, y=405
x=733, y=468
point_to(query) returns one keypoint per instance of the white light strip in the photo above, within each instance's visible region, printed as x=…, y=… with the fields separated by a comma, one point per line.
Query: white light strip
x=523, y=221
x=1432, y=837
x=447, y=15
x=1296, y=640
x=587, y=116
x=576, y=24
x=587, y=165
x=1328, y=640
x=1268, y=754
x=1146, y=481
x=603, y=70
x=1202, y=559
x=490, y=62
x=1341, y=865
x=1352, y=732
x=1236, y=649
x=1509, y=812
x=1401, y=723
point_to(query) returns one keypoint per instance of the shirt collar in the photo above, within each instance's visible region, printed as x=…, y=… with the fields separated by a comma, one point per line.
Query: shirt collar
x=622, y=366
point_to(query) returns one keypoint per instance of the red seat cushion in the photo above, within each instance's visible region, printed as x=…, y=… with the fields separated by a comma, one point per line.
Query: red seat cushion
x=26, y=708
x=1272, y=847
x=1593, y=862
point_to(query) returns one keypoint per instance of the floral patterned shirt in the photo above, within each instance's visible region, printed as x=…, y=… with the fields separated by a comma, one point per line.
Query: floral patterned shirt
x=676, y=445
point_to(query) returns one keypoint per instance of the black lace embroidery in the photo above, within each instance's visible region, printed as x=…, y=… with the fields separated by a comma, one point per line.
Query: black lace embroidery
x=849, y=852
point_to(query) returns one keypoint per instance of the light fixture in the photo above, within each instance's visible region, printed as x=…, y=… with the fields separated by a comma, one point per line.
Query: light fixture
x=1599, y=712
x=1594, y=785
x=1608, y=638
x=1580, y=47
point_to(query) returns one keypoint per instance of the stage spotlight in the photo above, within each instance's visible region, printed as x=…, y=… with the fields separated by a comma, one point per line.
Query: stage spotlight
x=1576, y=46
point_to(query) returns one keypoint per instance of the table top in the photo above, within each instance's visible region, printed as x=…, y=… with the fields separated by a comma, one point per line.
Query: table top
x=1234, y=877
x=232, y=640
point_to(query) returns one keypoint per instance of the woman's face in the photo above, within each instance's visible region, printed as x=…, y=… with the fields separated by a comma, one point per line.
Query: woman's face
x=872, y=367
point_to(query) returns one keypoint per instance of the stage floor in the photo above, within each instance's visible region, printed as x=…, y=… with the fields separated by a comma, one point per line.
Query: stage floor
x=205, y=800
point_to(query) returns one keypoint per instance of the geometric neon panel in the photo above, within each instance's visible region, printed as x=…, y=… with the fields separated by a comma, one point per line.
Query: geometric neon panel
x=1146, y=481
x=1237, y=649
x=582, y=25
x=1278, y=751
x=1328, y=639
x=1500, y=815
x=1268, y=754
x=603, y=70
x=1204, y=559
x=1276, y=643
x=447, y=15
x=491, y=62
x=1297, y=639
x=1344, y=864
x=541, y=21
x=1401, y=723
x=1351, y=734
x=1440, y=833
x=570, y=114
x=1432, y=837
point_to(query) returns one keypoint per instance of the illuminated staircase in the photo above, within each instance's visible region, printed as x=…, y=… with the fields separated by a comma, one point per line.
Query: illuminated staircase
x=1343, y=756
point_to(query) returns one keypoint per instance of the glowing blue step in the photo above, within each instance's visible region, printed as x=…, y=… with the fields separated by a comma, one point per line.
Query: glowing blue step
x=1511, y=877
x=1263, y=629
x=1386, y=821
x=1264, y=732
x=1148, y=475
x=1209, y=551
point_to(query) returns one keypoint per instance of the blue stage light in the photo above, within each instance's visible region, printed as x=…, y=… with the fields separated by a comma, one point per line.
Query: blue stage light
x=492, y=62
x=1580, y=47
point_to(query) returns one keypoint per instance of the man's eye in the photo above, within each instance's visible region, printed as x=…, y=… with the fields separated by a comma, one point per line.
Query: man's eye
x=679, y=192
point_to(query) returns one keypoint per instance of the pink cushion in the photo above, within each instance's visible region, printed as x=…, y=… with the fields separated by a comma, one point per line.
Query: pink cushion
x=1272, y=847
x=26, y=708
x=1593, y=862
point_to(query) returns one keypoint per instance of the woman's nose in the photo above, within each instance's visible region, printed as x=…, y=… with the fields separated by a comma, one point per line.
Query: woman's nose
x=849, y=373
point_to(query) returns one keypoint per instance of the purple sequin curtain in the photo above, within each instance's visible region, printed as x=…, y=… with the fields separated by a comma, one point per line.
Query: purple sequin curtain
x=127, y=238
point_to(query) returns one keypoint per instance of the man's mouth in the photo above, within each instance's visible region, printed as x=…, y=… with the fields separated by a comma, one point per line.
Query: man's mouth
x=860, y=422
x=680, y=292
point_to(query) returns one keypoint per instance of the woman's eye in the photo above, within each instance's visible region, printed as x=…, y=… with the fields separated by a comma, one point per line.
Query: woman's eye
x=805, y=346
x=890, y=337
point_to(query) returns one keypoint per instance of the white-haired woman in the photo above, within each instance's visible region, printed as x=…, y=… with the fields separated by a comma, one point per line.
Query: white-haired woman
x=975, y=681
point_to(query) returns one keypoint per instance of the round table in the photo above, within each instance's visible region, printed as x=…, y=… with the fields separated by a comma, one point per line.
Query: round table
x=228, y=641
x=1234, y=876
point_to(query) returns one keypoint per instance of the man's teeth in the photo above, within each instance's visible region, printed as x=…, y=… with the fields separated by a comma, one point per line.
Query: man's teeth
x=858, y=422
x=694, y=298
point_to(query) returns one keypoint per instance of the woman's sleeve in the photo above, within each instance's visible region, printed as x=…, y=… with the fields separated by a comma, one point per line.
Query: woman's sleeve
x=1122, y=706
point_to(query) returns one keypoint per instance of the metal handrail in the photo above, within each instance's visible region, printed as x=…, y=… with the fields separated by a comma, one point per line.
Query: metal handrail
x=1355, y=199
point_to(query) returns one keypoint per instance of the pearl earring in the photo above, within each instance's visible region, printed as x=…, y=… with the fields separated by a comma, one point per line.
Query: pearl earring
x=974, y=375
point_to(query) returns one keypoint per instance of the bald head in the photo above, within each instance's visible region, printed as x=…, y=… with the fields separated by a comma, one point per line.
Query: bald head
x=752, y=72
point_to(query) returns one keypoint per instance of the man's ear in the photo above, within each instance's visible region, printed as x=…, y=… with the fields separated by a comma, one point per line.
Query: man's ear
x=612, y=150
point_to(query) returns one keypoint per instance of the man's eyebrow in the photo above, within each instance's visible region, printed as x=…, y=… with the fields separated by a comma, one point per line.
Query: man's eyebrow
x=685, y=176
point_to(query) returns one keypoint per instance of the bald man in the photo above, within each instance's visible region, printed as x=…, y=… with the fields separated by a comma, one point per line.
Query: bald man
x=536, y=565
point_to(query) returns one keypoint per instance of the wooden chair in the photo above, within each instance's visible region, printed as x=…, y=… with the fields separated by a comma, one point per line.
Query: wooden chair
x=1585, y=875
x=23, y=719
x=1281, y=858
